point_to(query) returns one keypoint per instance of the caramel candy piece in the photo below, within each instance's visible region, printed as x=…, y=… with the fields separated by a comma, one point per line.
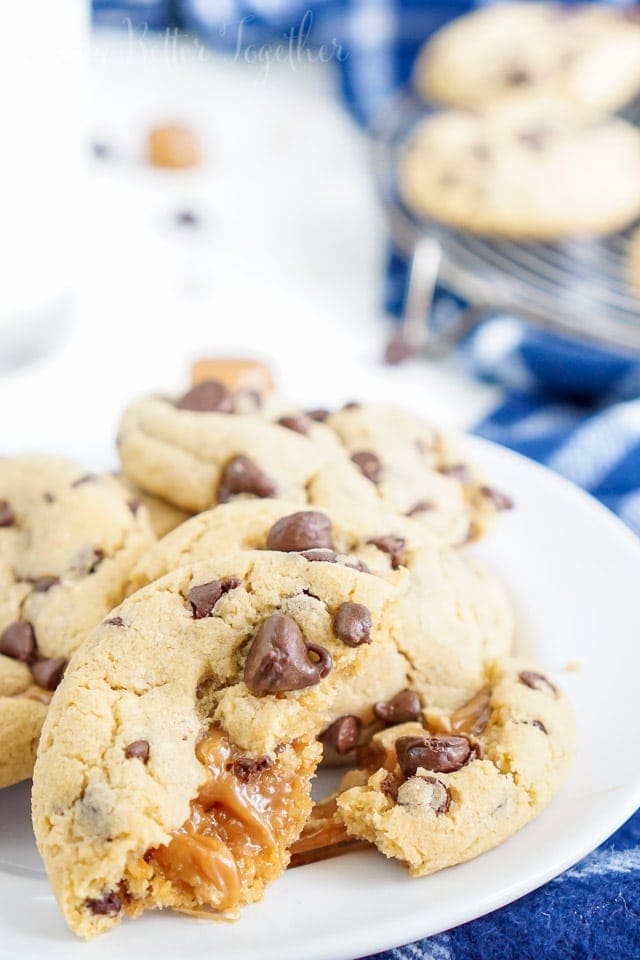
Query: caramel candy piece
x=174, y=146
x=239, y=376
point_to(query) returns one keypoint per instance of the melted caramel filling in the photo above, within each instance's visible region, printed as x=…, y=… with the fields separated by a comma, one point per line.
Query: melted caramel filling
x=469, y=720
x=231, y=835
x=323, y=836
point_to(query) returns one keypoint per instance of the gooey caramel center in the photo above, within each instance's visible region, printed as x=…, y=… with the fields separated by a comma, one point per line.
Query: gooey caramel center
x=231, y=834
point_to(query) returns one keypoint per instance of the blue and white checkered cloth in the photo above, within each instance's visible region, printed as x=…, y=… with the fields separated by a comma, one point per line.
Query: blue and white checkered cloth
x=572, y=407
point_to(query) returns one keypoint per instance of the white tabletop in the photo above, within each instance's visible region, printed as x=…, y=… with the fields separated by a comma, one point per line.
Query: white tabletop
x=287, y=264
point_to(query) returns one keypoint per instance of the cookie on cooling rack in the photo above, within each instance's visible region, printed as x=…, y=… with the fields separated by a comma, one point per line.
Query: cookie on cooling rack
x=527, y=168
x=587, y=55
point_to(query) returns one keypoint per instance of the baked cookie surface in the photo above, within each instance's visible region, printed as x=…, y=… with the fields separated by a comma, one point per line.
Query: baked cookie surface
x=440, y=792
x=361, y=458
x=450, y=616
x=587, y=55
x=197, y=451
x=68, y=542
x=175, y=763
x=526, y=168
x=414, y=470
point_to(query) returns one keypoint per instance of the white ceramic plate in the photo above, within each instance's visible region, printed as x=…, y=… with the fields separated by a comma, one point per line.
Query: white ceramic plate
x=573, y=571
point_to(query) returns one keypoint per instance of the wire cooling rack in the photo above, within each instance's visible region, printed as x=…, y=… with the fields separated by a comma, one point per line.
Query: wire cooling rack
x=576, y=287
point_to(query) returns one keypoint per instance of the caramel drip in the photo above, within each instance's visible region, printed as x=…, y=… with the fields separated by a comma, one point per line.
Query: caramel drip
x=232, y=830
x=323, y=837
x=469, y=720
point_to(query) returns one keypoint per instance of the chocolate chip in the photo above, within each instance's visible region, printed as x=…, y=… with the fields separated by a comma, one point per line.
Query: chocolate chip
x=187, y=218
x=7, y=517
x=208, y=396
x=352, y=624
x=425, y=792
x=440, y=754
x=246, y=769
x=368, y=464
x=278, y=660
x=399, y=349
x=539, y=725
x=351, y=405
x=422, y=506
x=354, y=563
x=241, y=475
x=319, y=415
x=114, y=622
x=85, y=478
x=394, y=546
x=203, y=598
x=18, y=641
x=318, y=553
x=305, y=530
x=537, y=681
x=44, y=584
x=134, y=506
x=402, y=708
x=389, y=786
x=107, y=906
x=500, y=500
x=48, y=497
x=343, y=734
x=139, y=750
x=459, y=471
x=300, y=423
x=518, y=77
x=48, y=673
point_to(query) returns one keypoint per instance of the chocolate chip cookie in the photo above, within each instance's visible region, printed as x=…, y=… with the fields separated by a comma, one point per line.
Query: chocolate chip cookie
x=174, y=764
x=450, y=615
x=68, y=542
x=585, y=54
x=524, y=169
x=202, y=449
x=413, y=470
x=438, y=793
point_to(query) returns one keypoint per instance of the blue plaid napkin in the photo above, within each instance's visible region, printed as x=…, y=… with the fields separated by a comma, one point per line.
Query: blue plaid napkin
x=573, y=407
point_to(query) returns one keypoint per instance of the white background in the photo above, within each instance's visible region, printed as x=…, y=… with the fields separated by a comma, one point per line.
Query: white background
x=288, y=263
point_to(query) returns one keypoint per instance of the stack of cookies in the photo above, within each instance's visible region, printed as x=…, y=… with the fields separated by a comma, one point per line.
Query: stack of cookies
x=526, y=145
x=262, y=591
